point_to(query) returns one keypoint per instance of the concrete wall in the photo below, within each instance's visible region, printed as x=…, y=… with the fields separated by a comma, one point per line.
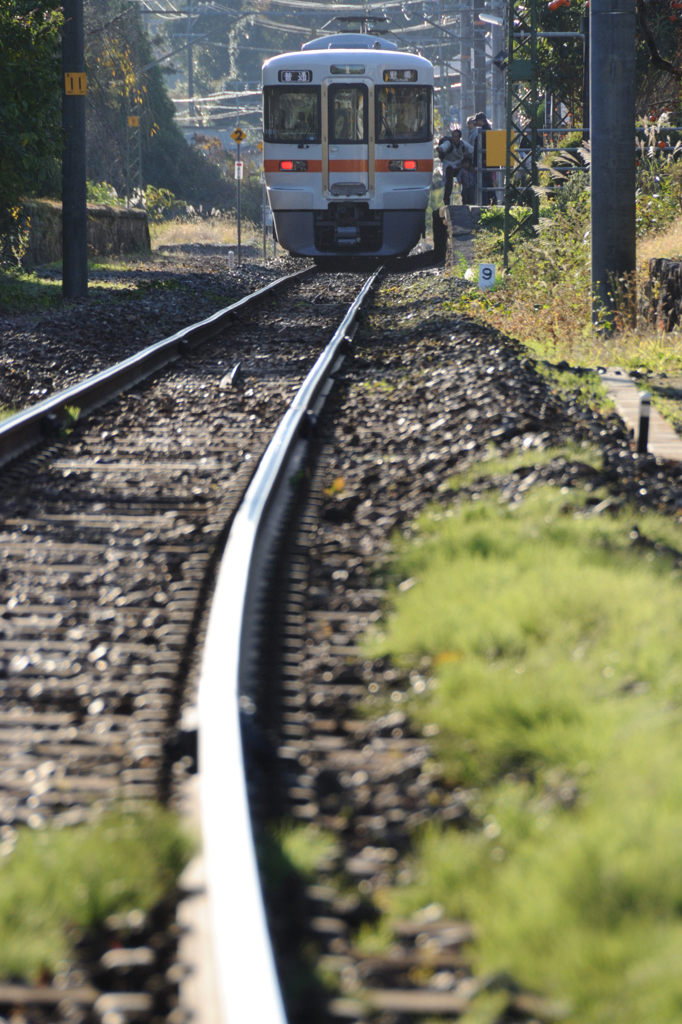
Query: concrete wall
x=112, y=230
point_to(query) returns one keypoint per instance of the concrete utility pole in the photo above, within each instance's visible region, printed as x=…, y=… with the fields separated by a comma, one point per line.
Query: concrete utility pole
x=190, y=60
x=74, y=207
x=612, y=169
x=498, y=107
x=480, y=68
x=466, y=98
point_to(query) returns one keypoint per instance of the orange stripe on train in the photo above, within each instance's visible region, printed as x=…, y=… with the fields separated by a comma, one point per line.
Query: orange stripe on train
x=336, y=166
x=343, y=166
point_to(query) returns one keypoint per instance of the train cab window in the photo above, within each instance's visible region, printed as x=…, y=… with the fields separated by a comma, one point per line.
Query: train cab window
x=348, y=113
x=291, y=113
x=403, y=113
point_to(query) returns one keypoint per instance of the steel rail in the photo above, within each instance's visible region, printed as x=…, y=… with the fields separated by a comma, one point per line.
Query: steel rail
x=242, y=955
x=33, y=425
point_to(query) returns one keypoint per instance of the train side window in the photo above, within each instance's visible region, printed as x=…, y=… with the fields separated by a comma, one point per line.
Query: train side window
x=348, y=113
x=403, y=113
x=291, y=113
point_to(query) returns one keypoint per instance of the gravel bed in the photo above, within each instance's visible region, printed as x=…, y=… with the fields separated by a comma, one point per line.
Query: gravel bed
x=424, y=394
x=109, y=539
x=46, y=351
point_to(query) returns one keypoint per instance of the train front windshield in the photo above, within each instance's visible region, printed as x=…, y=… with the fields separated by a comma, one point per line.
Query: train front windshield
x=347, y=113
x=291, y=114
x=403, y=113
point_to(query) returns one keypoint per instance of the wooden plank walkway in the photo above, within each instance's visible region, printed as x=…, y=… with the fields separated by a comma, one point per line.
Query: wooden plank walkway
x=664, y=442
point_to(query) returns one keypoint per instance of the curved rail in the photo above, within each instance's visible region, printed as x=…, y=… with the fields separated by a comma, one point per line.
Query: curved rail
x=33, y=425
x=243, y=960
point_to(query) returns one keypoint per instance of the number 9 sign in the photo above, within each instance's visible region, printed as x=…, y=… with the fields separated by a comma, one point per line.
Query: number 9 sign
x=486, y=275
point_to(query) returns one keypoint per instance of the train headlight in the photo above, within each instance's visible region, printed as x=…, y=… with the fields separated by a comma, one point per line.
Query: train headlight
x=402, y=165
x=293, y=165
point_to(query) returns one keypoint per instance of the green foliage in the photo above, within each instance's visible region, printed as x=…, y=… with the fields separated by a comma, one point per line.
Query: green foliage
x=560, y=61
x=57, y=884
x=71, y=419
x=103, y=192
x=160, y=204
x=305, y=846
x=556, y=644
x=30, y=122
x=545, y=295
x=659, y=179
x=656, y=212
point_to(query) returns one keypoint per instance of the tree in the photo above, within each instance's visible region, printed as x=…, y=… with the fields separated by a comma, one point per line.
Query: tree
x=30, y=102
x=123, y=81
x=659, y=54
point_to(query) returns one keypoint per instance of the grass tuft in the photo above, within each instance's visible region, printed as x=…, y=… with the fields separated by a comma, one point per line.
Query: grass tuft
x=56, y=885
x=555, y=638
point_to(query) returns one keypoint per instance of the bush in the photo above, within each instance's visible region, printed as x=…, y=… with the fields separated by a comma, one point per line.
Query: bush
x=103, y=192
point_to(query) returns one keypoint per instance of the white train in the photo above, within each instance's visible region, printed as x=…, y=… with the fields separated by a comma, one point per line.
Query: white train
x=348, y=146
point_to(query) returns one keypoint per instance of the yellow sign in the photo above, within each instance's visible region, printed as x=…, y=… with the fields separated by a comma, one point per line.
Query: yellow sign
x=260, y=146
x=496, y=148
x=75, y=83
x=238, y=135
x=133, y=121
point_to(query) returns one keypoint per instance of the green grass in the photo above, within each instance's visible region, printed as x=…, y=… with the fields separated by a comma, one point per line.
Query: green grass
x=304, y=846
x=494, y=465
x=26, y=291
x=289, y=854
x=556, y=646
x=586, y=389
x=58, y=884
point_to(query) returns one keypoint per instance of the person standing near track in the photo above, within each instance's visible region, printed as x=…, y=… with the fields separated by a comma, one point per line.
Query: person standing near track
x=452, y=150
x=476, y=139
x=466, y=177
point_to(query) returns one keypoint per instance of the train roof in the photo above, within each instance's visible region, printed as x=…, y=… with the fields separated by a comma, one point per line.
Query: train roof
x=350, y=41
x=318, y=58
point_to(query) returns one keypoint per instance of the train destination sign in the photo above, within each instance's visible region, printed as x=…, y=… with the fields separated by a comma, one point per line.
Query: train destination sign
x=405, y=75
x=294, y=76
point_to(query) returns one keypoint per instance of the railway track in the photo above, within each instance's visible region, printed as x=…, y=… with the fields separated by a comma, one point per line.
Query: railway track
x=420, y=397
x=109, y=533
x=109, y=536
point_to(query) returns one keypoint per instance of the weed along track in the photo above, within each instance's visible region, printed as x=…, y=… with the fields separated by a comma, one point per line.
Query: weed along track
x=371, y=771
x=109, y=536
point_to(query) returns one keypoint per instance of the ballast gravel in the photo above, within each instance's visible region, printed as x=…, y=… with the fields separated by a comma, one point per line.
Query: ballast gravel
x=423, y=394
x=44, y=351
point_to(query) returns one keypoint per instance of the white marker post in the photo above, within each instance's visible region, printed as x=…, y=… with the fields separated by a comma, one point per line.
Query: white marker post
x=239, y=174
x=486, y=275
